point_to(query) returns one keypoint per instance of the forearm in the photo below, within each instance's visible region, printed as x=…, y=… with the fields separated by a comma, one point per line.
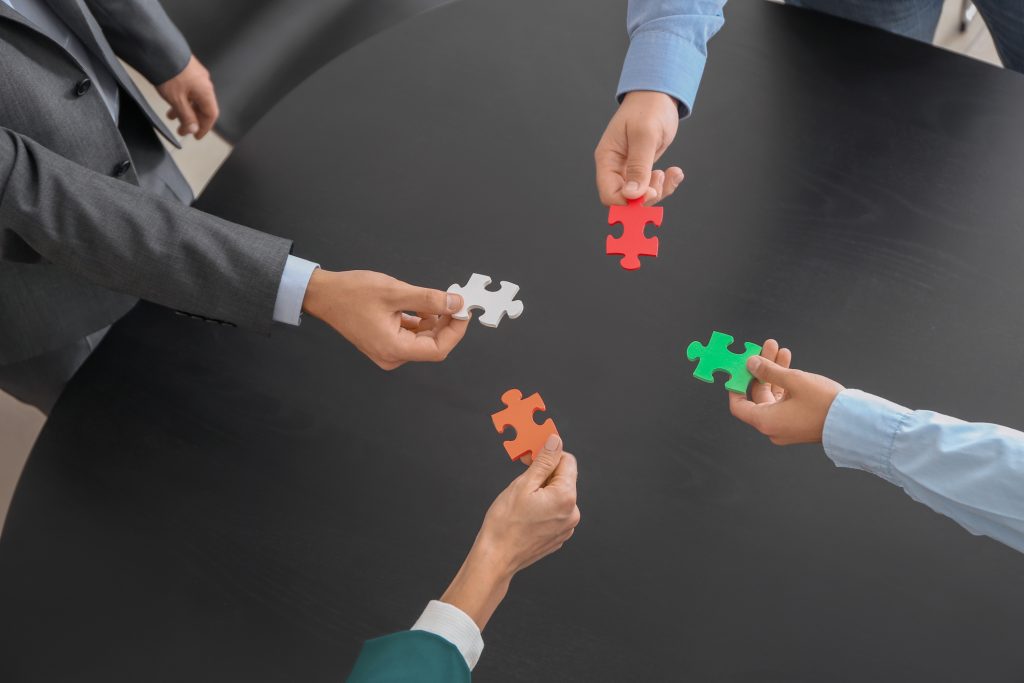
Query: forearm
x=143, y=35
x=668, y=47
x=119, y=237
x=447, y=627
x=444, y=644
x=970, y=472
x=480, y=585
x=465, y=608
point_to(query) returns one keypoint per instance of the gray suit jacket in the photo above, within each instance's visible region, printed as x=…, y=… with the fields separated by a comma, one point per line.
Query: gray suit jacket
x=83, y=234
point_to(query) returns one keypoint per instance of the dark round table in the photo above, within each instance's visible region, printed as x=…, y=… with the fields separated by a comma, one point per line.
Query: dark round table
x=206, y=504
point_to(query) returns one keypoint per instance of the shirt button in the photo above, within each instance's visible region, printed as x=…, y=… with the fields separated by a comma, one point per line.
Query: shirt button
x=83, y=86
x=122, y=168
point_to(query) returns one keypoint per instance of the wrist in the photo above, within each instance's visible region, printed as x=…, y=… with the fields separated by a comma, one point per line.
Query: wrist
x=652, y=96
x=311, y=301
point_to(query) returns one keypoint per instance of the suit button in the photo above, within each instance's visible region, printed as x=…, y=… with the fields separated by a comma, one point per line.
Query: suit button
x=83, y=87
x=122, y=168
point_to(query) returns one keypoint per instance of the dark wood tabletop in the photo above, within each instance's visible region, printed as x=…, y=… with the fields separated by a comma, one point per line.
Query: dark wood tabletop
x=206, y=504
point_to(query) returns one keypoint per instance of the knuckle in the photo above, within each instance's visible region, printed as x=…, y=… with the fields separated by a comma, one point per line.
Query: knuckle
x=391, y=290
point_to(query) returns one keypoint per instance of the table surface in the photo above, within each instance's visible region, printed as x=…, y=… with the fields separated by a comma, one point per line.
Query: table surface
x=206, y=504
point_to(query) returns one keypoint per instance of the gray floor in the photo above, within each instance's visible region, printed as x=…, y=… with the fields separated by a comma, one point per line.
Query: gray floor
x=19, y=424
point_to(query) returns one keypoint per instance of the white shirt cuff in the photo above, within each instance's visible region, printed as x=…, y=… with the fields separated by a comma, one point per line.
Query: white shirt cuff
x=292, y=290
x=860, y=430
x=455, y=626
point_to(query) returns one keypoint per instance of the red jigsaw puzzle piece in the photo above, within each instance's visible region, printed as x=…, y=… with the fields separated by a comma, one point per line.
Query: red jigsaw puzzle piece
x=633, y=244
x=530, y=436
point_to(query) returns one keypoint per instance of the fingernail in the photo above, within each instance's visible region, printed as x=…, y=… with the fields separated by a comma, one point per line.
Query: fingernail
x=453, y=303
x=192, y=129
x=552, y=442
x=632, y=187
x=753, y=363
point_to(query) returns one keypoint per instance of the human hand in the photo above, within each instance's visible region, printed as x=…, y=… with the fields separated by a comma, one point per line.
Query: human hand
x=788, y=406
x=368, y=309
x=530, y=519
x=638, y=134
x=536, y=514
x=192, y=99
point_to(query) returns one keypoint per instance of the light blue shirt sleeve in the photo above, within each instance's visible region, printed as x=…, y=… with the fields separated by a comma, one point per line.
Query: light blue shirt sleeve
x=668, y=46
x=292, y=290
x=970, y=472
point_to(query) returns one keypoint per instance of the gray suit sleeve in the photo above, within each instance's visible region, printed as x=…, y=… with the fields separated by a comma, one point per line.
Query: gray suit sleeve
x=143, y=35
x=119, y=237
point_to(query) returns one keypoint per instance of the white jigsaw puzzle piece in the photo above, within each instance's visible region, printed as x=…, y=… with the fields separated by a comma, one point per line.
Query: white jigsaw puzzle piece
x=496, y=305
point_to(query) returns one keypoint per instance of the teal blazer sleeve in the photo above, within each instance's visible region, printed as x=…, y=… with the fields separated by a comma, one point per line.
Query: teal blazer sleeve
x=410, y=657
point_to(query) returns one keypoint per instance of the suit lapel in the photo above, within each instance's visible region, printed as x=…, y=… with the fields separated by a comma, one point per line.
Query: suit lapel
x=81, y=21
x=7, y=13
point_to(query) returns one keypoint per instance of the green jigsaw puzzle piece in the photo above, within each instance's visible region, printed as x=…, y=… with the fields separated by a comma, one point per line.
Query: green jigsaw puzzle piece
x=716, y=357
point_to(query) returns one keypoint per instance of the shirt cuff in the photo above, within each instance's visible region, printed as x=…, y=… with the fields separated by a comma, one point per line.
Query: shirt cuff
x=663, y=62
x=292, y=290
x=455, y=626
x=860, y=431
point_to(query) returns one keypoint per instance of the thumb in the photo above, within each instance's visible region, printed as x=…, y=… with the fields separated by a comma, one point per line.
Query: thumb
x=770, y=372
x=424, y=300
x=643, y=148
x=545, y=462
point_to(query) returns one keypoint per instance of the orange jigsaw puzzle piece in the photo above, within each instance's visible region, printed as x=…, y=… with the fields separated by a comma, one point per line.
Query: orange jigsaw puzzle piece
x=530, y=436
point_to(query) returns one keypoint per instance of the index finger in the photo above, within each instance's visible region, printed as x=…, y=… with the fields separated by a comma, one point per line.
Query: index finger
x=742, y=408
x=608, y=166
x=207, y=111
x=434, y=346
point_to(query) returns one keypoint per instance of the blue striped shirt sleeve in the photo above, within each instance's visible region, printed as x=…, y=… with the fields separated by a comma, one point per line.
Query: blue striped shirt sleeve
x=668, y=47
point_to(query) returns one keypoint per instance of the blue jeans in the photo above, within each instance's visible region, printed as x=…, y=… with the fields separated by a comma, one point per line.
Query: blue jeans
x=918, y=19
